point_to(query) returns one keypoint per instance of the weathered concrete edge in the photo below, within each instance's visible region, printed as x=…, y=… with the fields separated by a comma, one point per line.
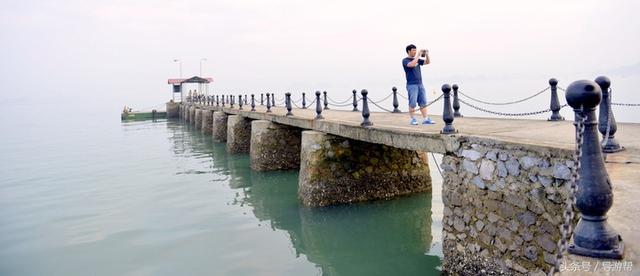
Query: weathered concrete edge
x=429, y=142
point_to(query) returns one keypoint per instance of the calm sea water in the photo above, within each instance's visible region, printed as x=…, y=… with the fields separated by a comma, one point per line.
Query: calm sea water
x=83, y=194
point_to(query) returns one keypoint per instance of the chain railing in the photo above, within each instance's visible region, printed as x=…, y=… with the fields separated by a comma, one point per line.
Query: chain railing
x=505, y=103
x=570, y=201
x=508, y=114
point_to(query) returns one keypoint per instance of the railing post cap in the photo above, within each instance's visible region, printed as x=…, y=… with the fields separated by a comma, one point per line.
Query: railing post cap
x=317, y=93
x=394, y=89
x=446, y=88
x=553, y=81
x=325, y=92
x=455, y=87
x=354, y=91
x=583, y=93
x=364, y=92
x=603, y=82
x=287, y=94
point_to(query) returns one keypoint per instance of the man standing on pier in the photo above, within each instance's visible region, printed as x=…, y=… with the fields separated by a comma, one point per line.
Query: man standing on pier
x=415, y=89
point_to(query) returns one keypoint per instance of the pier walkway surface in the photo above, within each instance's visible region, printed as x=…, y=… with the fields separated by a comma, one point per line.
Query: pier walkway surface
x=393, y=129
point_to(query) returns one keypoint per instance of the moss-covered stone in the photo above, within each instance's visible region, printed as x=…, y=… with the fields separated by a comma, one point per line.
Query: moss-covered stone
x=274, y=146
x=238, y=134
x=337, y=170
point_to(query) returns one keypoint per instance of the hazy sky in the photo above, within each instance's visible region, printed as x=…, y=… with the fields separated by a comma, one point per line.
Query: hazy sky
x=121, y=52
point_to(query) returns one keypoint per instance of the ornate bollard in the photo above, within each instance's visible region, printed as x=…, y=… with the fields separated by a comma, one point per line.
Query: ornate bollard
x=318, y=106
x=447, y=113
x=287, y=99
x=245, y=99
x=217, y=100
x=240, y=102
x=555, y=104
x=355, y=101
x=273, y=99
x=593, y=236
x=268, y=104
x=261, y=98
x=456, y=102
x=326, y=103
x=365, y=109
x=233, y=100
x=606, y=118
x=253, y=102
x=304, y=101
x=395, y=100
x=223, y=100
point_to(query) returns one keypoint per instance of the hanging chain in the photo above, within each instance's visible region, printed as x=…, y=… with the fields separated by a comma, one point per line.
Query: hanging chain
x=507, y=103
x=385, y=98
x=509, y=114
x=570, y=202
x=624, y=104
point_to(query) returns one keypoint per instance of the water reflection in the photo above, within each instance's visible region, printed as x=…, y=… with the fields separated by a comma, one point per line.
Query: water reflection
x=376, y=238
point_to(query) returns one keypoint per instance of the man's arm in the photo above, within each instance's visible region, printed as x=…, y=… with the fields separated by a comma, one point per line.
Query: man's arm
x=426, y=58
x=414, y=62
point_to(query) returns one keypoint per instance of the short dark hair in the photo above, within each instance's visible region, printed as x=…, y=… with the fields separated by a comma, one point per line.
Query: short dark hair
x=410, y=47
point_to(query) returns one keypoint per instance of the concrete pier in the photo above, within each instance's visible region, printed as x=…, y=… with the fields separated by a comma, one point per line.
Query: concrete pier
x=219, y=126
x=192, y=115
x=336, y=170
x=207, y=121
x=173, y=110
x=198, y=118
x=238, y=134
x=274, y=146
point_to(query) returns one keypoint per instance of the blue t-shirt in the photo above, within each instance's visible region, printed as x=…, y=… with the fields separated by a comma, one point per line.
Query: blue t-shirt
x=414, y=76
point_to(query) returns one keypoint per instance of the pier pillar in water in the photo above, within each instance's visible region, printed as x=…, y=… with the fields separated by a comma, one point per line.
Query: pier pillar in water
x=192, y=114
x=335, y=170
x=198, y=121
x=238, y=134
x=173, y=110
x=207, y=121
x=219, y=126
x=274, y=146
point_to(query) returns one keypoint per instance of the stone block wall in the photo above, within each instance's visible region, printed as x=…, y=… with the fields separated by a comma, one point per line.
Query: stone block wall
x=274, y=146
x=503, y=207
x=335, y=170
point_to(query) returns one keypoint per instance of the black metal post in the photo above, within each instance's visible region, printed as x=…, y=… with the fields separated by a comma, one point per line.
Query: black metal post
x=273, y=99
x=606, y=117
x=365, y=109
x=318, y=106
x=261, y=98
x=593, y=236
x=253, y=102
x=395, y=100
x=217, y=100
x=326, y=103
x=240, y=101
x=456, y=102
x=555, y=104
x=447, y=113
x=355, y=101
x=287, y=100
x=304, y=101
x=233, y=100
x=245, y=99
x=268, y=104
x=223, y=100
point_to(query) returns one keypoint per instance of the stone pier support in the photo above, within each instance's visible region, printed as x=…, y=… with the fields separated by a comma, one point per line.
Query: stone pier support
x=219, y=127
x=192, y=115
x=336, y=170
x=274, y=146
x=198, y=121
x=238, y=134
x=173, y=110
x=207, y=121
